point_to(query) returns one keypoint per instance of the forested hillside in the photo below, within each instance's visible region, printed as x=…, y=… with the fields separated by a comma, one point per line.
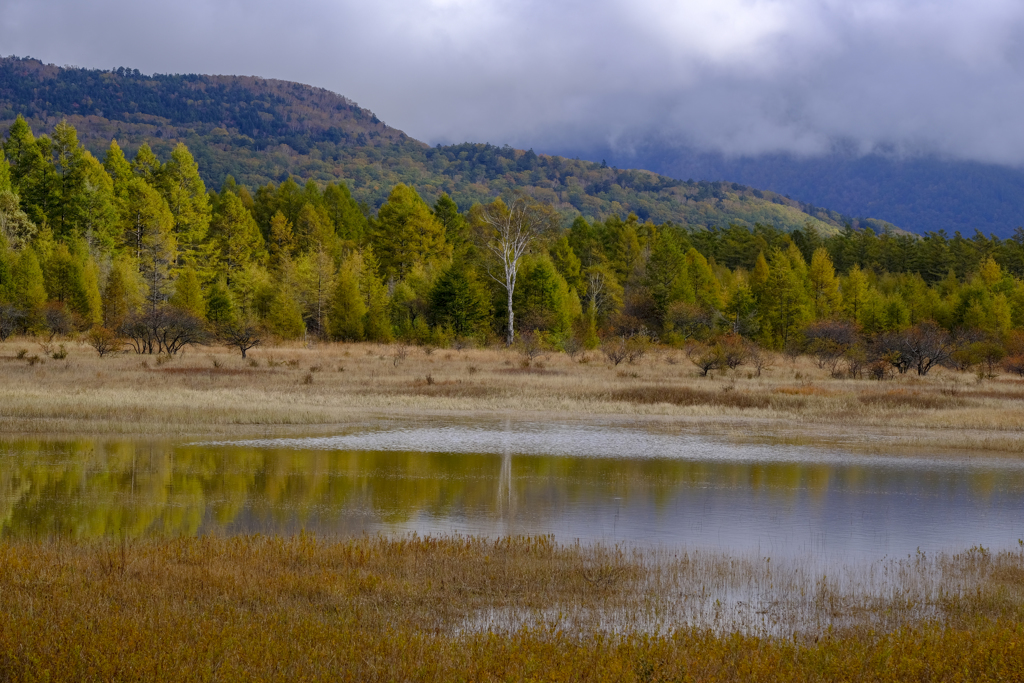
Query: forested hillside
x=919, y=193
x=135, y=251
x=260, y=131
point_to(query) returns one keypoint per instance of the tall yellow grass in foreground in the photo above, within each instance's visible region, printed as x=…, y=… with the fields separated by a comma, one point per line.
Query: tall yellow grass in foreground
x=512, y=609
x=213, y=391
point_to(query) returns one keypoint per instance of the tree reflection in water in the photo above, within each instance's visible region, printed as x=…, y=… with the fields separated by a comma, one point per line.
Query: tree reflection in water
x=90, y=488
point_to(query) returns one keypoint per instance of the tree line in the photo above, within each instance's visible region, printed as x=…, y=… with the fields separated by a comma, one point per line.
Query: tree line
x=138, y=251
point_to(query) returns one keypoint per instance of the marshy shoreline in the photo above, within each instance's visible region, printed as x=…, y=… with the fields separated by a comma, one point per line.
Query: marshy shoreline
x=305, y=607
x=296, y=390
x=515, y=608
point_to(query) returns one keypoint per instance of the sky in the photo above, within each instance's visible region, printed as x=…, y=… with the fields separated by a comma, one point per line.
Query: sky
x=741, y=77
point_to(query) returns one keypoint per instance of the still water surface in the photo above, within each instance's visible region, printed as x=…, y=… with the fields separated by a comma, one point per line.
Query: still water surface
x=587, y=482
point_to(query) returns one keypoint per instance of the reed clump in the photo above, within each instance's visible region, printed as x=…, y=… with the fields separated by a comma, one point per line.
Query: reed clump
x=519, y=608
x=726, y=397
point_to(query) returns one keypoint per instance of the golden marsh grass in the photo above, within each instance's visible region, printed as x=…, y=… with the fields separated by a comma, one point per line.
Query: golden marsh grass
x=213, y=391
x=459, y=608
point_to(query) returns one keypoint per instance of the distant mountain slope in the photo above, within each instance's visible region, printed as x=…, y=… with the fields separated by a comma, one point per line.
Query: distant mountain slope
x=920, y=194
x=263, y=130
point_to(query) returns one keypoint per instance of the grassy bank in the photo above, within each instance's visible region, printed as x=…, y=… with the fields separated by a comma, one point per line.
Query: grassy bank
x=213, y=391
x=512, y=609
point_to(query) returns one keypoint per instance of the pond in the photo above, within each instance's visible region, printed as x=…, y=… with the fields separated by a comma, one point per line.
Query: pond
x=590, y=482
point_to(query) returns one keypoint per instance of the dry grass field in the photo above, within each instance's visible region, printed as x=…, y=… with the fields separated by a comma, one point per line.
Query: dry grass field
x=466, y=609
x=284, y=389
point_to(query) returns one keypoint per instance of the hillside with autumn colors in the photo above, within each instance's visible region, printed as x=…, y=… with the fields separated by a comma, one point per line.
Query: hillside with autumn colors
x=263, y=130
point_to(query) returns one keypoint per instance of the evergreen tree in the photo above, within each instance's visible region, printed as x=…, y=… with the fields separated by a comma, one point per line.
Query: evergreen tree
x=22, y=153
x=148, y=228
x=282, y=240
x=665, y=268
x=315, y=279
x=15, y=225
x=188, y=293
x=220, y=305
x=145, y=165
x=5, y=173
x=785, y=304
x=313, y=230
x=626, y=255
x=252, y=289
x=99, y=206
x=855, y=293
x=185, y=194
x=122, y=295
x=68, y=204
x=741, y=308
x=567, y=263
x=284, y=316
x=31, y=175
x=406, y=234
x=117, y=167
x=585, y=243
x=707, y=292
x=456, y=229
x=236, y=236
x=62, y=274
x=542, y=298
x=758, y=279
x=344, y=212
x=824, y=285
x=377, y=322
x=87, y=302
x=6, y=271
x=458, y=302
x=348, y=307
x=29, y=288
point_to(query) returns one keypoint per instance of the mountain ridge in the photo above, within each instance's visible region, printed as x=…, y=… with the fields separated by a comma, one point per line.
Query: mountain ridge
x=920, y=193
x=264, y=130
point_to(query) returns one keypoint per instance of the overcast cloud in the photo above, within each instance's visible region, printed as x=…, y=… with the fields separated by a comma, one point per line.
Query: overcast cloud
x=738, y=76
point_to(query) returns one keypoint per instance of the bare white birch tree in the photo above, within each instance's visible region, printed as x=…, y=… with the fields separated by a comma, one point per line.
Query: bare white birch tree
x=511, y=227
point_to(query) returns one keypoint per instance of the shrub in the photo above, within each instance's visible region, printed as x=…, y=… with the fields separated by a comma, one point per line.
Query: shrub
x=707, y=357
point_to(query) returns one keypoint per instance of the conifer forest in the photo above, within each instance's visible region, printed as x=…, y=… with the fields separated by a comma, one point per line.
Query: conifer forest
x=138, y=253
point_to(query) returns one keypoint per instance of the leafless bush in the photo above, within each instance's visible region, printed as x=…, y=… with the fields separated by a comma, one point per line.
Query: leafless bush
x=734, y=351
x=828, y=342
x=921, y=347
x=856, y=358
x=59, y=321
x=629, y=346
x=990, y=353
x=165, y=329
x=243, y=335
x=1014, y=364
x=707, y=357
x=11, y=320
x=639, y=343
x=759, y=358
x=530, y=346
x=881, y=369
x=615, y=349
x=399, y=355
x=572, y=346
x=691, y=321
